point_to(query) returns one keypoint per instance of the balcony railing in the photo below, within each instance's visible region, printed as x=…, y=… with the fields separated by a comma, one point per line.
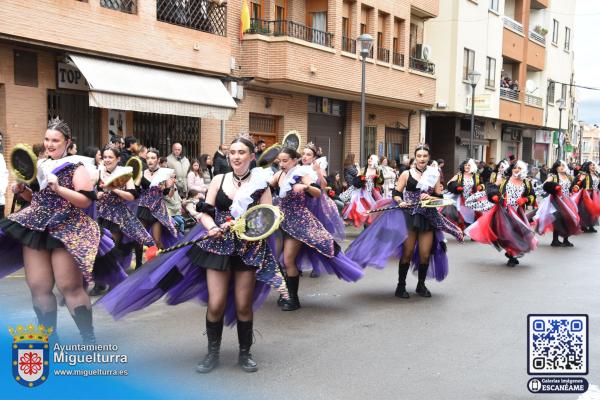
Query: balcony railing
x=513, y=25
x=201, y=15
x=509, y=94
x=126, y=6
x=291, y=29
x=398, y=59
x=534, y=100
x=422, y=65
x=536, y=37
x=348, y=45
x=383, y=54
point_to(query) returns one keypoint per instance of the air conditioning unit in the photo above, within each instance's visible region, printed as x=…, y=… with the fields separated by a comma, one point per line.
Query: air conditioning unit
x=236, y=90
x=423, y=51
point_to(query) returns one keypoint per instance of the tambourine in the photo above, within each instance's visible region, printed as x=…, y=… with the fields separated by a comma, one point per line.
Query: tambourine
x=137, y=169
x=292, y=140
x=118, y=178
x=269, y=155
x=429, y=203
x=257, y=223
x=24, y=163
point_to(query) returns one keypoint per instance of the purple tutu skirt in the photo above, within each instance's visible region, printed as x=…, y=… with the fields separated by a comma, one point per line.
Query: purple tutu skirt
x=171, y=274
x=107, y=268
x=327, y=213
x=11, y=254
x=384, y=240
x=340, y=265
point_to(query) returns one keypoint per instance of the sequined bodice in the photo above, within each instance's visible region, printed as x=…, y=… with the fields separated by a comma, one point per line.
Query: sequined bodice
x=50, y=200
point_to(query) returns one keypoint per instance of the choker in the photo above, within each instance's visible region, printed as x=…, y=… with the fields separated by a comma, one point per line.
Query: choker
x=241, y=179
x=421, y=171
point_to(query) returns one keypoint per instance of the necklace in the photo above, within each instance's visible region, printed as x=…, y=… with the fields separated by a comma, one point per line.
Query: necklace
x=240, y=179
x=420, y=170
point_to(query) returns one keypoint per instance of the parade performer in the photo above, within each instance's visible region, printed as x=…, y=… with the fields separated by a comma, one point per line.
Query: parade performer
x=558, y=212
x=306, y=244
x=497, y=175
x=411, y=233
x=504, y=223
x=54, y=239
x=462, y=185
x=588, y=197
x=364, y=193
x=323, y=207
x=152, y=210
x=223, y=271
x=115, y=216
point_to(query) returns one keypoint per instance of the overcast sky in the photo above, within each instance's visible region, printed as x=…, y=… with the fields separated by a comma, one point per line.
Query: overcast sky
x=587, y=58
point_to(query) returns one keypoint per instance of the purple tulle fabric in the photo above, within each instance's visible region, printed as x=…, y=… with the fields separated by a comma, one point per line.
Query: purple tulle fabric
x=384, y=239
x=11, y=254
x=107, y=270
x=341, y=265
x=141, y=288
x=327, y=213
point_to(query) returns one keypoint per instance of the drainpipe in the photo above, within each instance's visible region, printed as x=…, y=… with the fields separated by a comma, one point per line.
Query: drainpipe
x=222, y=131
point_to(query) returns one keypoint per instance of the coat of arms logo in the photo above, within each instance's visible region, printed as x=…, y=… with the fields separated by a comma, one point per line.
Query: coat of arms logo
x=30, y=349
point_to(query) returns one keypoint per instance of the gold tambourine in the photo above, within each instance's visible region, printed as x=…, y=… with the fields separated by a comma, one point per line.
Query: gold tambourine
x=292, y=140
x=269, y=155
x=24, y=163
x=137, y=169
x=118, y=178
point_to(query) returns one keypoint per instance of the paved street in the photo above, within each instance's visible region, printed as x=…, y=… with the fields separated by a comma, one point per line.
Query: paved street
x=357, y=341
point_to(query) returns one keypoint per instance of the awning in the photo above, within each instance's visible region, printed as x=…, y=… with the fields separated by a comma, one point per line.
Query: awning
x=121, y=86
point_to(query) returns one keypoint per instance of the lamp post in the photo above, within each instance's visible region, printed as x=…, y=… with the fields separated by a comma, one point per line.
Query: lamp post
x=561, y=140
x=366, y=41
x=473, y=77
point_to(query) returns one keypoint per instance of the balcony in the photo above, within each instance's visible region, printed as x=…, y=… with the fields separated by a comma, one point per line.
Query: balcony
x=536, y=37
x=534, y=101
x=383, y=54
x=126, y=6
x=509, y=94
x=201, y=15
x=348, y=45
x=398, y=59
x=422, y=65
x=513, y=25
x=291, y=29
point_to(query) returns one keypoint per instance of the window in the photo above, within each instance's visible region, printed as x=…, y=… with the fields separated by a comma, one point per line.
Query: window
x=25, y=68
x=370, y=140
x=567, y=38
x=563, y=91
x=256, y=9
x=126, y=6
x=551, y=90
x=490, y=66
x=162, y=130
x=202, y=15
x=555, y=32
x=494, y=5
x=468, y=63
x=345, y=27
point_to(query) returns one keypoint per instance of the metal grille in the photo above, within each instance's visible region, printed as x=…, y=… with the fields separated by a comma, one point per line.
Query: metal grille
x=383, y=54
x=161, y=131
x=370, y=141
x=201, y=15
x=74, y=109
x=348, y=45
x=262, y=124
x=126, y=6
x=398, y=59
x=292, y=29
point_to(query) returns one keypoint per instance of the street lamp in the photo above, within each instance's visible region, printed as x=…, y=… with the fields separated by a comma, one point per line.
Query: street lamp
x=366, y=41
x=561, y=140
x=473, y=78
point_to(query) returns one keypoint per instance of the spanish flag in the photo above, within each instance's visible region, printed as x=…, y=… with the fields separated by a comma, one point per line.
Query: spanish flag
x=244, y=19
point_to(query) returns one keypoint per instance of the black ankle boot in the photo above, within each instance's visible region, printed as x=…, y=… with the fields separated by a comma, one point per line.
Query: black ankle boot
x=555, y=241
x=293, y=303
x=421, y=288
x=214, y=332
x=592, y=230
x=83, y=319
x=48, y=319
x=401, y=288
x=245, y=360
x=566, y=242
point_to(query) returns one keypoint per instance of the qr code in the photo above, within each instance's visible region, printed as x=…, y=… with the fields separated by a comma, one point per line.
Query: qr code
x=557, y=344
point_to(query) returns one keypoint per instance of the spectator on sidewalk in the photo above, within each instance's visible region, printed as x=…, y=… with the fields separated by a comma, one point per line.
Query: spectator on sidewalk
x=177, y=161
x=221, y=160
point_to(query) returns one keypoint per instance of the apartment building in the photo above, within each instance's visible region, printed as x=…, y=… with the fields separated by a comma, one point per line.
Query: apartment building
x=172, y=70
x=522, y=51
x=590, y=142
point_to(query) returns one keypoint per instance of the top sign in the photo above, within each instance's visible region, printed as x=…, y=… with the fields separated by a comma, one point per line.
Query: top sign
x=483, y=102
x=69, y=77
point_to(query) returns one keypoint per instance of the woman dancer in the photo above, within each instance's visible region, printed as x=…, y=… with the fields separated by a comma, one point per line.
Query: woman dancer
x=306, y=242
x=115, y=216
x=462, y=185
x=557, y=212
x=504, y=223
x=411, y=233
x=497, y=175
x=152, y=210
x=364, y=193
x=56, y=239
x=217, y=269
x=588, y=197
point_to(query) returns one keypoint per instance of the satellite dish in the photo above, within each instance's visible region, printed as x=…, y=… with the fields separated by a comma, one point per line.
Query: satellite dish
x=530, y=86
x=426, y=52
